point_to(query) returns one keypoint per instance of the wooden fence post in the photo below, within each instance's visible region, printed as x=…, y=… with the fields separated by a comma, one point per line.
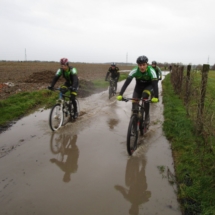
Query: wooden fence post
x=180, y=76
x=200, y=110
x=187, y=86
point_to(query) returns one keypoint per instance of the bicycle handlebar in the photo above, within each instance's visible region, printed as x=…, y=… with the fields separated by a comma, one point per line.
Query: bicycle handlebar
x=61, y=91
x=136, y=99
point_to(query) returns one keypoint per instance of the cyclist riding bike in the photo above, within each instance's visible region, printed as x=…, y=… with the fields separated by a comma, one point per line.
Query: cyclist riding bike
x=69, y=73
x=113, y=71
x=146, y=82
x=157, y=70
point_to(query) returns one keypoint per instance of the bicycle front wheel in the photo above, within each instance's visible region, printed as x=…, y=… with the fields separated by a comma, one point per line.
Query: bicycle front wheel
x=56, y=117
x=110, y=92
x=132, y=135
x=114, y=90
x=141, y=124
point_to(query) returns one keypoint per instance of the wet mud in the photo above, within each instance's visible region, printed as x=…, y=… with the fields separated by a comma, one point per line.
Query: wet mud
x=84, y=167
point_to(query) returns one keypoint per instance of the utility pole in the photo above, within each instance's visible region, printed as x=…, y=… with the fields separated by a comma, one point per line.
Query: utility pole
x=126, y=58
x=25, y=55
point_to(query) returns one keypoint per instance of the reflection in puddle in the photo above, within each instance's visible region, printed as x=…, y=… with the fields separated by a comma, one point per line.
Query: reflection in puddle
x=135, y=180
x=64, y=145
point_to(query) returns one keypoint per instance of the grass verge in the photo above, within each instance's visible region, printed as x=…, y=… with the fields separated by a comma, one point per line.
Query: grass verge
x=21, y=104
x=194, y=163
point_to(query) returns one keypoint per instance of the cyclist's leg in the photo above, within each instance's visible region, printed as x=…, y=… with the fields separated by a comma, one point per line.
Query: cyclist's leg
x=74, y=103
x=145, y=95
x=110, y=82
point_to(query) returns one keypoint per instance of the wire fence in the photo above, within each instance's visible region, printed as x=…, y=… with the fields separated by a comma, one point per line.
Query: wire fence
x=195, y=89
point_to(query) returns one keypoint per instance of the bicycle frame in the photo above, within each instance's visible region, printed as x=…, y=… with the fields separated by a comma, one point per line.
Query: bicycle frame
x=137, y=124
x=112, y=87
x=65, y=101
x=60, y=110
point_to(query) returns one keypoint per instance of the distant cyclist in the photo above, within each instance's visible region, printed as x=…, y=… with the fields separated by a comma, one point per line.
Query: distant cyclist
x=146, y=81
x=69, y=73
x=157, y=70
x=113, y=71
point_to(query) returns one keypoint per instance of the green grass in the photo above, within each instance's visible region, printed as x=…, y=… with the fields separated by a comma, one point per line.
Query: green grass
x=21, y=104
x=194, y=160
x=123, y=76
x=101, y=84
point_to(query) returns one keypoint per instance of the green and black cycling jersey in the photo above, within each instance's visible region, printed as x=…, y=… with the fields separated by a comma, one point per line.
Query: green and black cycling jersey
x=70, y=76
x=142, y=79
x=158, y=72
x=114, y=73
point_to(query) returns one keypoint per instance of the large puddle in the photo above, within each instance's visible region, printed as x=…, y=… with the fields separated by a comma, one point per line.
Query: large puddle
x=84, y=168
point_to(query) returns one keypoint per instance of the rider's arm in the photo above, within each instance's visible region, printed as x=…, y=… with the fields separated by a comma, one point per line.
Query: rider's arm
x=107, y=76
x=118, y=75
x=159, y=73
x=75, y=81
x=125, y=85
x=56, y=77
x=154, y=80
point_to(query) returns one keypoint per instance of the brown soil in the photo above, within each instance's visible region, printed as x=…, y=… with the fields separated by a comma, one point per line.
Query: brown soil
x=31, y=76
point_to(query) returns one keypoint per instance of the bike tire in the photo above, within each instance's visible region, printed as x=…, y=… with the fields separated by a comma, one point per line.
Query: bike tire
x=114, y=90
x=110, y=92
x=132, y=135
x=141, y=125
x=56, y=117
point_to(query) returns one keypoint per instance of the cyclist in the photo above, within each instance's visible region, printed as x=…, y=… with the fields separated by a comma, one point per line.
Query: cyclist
x=157, y=70
x=146, y=82
x=69, y=73
x=113, y=71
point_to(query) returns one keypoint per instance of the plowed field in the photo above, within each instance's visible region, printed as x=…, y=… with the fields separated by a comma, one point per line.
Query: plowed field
x=30, y=76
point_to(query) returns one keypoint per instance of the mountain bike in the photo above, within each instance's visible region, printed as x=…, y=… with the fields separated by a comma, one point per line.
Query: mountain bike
x=137, y=124
x=62, y=109
x=112, y=87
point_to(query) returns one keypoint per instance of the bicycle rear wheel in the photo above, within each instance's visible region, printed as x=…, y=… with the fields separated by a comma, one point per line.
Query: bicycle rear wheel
x=56, y=117
x=132, y=135
x=110, y=92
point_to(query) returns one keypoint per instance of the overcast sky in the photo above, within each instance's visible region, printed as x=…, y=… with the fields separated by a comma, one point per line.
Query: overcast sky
x=97, y=31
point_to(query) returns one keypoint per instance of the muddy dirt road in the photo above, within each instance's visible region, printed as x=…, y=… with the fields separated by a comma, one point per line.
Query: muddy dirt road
x=84, y=168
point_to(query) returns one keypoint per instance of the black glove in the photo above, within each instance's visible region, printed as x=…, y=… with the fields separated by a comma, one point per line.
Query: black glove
x=50, y=88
